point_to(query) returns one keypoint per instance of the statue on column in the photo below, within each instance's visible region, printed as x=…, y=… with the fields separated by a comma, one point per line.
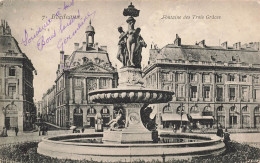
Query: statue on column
x=130, y=55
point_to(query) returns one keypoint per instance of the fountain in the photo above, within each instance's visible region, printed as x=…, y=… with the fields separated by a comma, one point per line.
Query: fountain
x=134, y=141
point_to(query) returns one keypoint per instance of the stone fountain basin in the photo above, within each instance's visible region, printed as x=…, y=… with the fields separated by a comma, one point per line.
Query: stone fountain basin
x=130, y=95
x=59, y=147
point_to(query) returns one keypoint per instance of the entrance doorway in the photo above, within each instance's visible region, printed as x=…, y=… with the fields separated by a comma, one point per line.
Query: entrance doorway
x=92, y=121
x=7, y=123
x=78, y=117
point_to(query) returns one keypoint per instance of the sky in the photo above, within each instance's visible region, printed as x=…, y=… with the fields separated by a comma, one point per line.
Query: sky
x=237, y=21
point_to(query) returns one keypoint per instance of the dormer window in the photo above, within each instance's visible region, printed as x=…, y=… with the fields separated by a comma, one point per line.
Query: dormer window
x=97, y=60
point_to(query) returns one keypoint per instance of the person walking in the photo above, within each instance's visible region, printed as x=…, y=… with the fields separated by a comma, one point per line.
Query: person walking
x=46, y=130
x=220, y=132
x=82, y=130
x=40, y=129
x=16, y=129
x=227, y=139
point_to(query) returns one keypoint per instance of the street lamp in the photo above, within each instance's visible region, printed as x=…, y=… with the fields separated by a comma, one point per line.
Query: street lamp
x=4, y=111
x=182, y=112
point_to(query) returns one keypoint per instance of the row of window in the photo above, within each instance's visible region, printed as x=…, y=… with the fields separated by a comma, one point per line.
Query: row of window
x=195, y=109
x=91, y=110
x=206, y=78
x=206, y=92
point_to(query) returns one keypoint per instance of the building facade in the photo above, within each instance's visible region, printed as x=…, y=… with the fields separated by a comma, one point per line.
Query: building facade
x=214, y=85
x=87, y=68
x=39, y=111
x=49, y=105
x=16, y=84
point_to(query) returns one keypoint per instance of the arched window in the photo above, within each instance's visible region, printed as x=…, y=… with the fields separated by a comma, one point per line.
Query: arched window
x=257, y=109
x=180, y=109
x=220, y=108
x=104, y=110
x=78, y=111
x=244, y=109
x=91, y=111
x=167, y=109
x=207, y=109
x=194, y=109
x=233, y=108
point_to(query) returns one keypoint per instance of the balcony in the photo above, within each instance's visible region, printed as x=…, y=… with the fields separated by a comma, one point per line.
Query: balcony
x=193, y=99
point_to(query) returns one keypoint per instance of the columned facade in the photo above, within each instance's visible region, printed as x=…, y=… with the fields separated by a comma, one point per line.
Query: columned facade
x=88, y=68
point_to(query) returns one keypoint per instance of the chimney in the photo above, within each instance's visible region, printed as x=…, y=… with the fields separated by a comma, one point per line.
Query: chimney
x=256, y=45
x=61, y=59
x=177, y=40
x=8, y=29
x=103, y=48
x=224, y=45
x=76, y=46
x=202, y=43
x=84, y=45
x=237, y=46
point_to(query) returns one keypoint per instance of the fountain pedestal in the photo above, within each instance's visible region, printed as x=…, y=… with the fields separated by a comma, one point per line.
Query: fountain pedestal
x=134, y=132
x=134, y=97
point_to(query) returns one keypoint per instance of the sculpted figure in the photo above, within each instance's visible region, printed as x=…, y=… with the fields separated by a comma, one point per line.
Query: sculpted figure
x=122, y=54
x=131, y=55
x=138, y=50
x=132, y=40
x=114, y=123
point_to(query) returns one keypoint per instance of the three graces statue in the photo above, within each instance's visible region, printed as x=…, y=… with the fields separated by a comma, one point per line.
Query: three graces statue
x=130, y=43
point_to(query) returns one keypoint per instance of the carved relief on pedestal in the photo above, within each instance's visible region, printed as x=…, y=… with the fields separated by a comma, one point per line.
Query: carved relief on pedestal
x=134, y=118
x=130, y=76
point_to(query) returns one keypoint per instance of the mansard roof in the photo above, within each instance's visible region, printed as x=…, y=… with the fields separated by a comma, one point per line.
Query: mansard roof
x=9, y=47
x=91, y=67
x=9, y=44
x=207, y=54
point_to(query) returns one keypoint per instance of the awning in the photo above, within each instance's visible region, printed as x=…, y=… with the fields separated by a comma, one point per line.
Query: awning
x=197, y=116
x=174, y=117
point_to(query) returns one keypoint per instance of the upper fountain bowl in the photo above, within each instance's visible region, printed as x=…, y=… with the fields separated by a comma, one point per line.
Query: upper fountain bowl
x=130, y=95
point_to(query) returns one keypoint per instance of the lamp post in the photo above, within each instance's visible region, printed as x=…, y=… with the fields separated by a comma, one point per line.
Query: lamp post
x=182, y=111
x=4, y=112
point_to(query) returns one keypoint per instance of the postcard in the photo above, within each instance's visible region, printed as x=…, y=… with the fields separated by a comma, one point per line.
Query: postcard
x=126, y=81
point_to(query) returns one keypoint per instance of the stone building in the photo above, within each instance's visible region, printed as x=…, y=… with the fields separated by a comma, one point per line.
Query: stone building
x=49, y=105
x=213, y=85
x=38, y=105
x=86, y=69
x=16, y=83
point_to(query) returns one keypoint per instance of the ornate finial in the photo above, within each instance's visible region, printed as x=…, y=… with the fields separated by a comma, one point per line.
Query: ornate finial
x=90, y=22
x=131, y=11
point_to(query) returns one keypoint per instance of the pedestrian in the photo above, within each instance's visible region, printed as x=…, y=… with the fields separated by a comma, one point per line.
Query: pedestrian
x=82, y=130
x=16, y=129
x=74, y=130
x=43, y=130
x=40, y=129
x=46, y=130
x=220, y=132
x=227, y=139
